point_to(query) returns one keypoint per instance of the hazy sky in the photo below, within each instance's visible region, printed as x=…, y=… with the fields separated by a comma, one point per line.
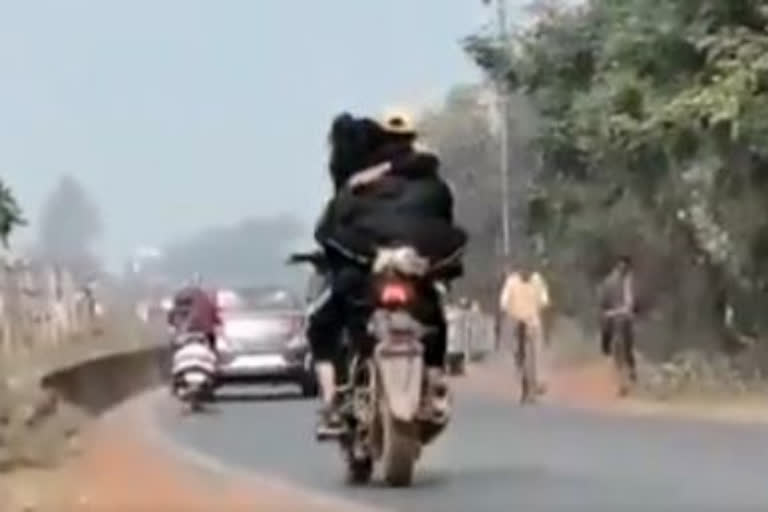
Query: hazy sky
x=179, y=114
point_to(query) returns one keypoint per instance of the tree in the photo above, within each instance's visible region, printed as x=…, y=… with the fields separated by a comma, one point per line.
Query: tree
x=11, y=215
x=70, y=226
x=654, y=140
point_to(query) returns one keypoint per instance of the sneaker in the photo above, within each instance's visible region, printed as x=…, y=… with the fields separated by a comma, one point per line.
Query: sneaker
x=330, y=424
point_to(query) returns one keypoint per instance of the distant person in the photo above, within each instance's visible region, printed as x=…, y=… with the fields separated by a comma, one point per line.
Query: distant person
x=195, y=310
x=90, y=301
x=459, y=324
x=524, y=297
x=617, y=305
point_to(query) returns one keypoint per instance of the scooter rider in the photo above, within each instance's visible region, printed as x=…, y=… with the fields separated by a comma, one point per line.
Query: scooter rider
x=195, y=310
x=386, y=191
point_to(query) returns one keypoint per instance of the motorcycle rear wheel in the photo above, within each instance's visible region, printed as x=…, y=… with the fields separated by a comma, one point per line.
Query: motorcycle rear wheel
x=400, y=449
x=527, y=369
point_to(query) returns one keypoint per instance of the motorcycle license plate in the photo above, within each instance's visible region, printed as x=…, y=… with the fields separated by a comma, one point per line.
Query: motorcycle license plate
x=260, y=361
x=195, y=378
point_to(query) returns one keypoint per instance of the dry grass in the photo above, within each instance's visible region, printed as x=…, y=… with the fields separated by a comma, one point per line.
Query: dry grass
x=36, y=428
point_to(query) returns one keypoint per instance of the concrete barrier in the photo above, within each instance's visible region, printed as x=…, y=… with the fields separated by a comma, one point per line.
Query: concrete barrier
x=41, y=412
x=96, y=385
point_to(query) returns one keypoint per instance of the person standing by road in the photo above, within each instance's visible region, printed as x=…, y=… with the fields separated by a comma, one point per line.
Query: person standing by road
x=524, y=297
x=617, y=305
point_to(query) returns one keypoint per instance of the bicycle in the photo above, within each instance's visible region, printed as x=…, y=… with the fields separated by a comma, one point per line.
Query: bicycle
x=526, y=364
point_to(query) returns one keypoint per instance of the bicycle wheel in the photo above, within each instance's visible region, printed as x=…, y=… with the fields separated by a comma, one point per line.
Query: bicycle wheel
x=526, y=367
x=619, y=349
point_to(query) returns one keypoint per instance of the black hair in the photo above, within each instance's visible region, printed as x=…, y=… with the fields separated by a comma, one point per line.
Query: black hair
x=351, y=140
x=357, y=143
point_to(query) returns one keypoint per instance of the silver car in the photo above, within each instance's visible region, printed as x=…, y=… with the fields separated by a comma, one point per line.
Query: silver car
x=262, y=339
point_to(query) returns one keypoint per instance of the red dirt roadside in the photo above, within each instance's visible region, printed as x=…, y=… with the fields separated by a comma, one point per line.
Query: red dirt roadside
x=589, y=384
x=593, y=386
x=120, y=470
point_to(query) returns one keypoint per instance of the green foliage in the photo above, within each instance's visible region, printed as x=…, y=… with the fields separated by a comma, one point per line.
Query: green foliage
x=11, y=215
x=661, y=104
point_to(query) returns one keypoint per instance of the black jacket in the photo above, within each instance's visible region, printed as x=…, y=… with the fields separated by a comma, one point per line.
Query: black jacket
x=407, y=204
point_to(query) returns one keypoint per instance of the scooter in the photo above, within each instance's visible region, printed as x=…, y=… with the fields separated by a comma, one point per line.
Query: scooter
x=193, y=369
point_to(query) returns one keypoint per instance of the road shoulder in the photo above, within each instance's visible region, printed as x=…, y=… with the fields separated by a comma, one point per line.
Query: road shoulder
x=120, y=467
x=592, y=386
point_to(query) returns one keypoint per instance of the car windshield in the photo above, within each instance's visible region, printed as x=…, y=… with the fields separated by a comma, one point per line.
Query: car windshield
x=257, y=299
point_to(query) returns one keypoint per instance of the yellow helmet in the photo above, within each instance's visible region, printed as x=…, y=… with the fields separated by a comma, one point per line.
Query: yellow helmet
x=397, y=121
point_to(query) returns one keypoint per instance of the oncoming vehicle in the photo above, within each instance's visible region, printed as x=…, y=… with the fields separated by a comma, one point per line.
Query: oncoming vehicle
x=262, y=339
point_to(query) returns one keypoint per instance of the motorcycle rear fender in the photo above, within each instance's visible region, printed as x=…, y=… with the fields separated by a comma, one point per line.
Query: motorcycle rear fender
x=400, y=369
x=191, y=356
x=193, y=366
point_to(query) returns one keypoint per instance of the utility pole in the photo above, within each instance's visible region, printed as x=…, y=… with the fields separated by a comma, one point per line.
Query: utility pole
x=503, y=110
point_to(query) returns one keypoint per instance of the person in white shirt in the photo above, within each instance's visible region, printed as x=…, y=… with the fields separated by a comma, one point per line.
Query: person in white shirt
x=524, y=297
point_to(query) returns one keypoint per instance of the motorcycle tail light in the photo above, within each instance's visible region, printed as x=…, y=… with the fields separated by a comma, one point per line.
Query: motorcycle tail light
x=395, y=293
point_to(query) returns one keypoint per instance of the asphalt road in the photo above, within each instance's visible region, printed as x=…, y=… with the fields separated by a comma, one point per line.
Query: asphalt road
x=500, y=457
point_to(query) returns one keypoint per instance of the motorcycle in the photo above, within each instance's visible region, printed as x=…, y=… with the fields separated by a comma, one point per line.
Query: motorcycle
x=193, y=369
x=387, y=407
